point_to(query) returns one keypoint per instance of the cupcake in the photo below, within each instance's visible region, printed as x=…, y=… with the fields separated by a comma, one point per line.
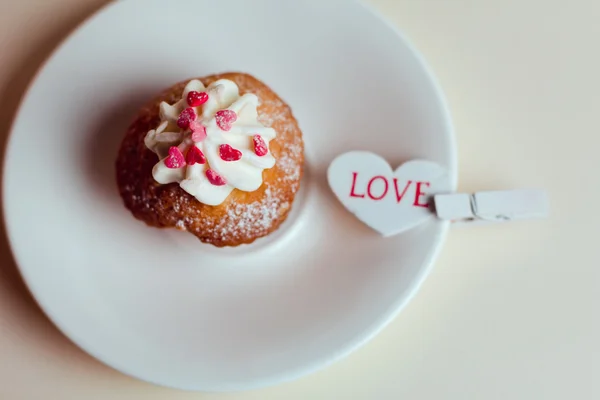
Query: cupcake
x=220, y=157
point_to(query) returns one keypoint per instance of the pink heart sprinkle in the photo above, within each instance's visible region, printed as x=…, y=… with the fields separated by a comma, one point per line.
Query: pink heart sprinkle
x=175, y=158
x=260, y=147
x=196, y=99
x=215, y=178
x=198, y=131
x=225, y=118
x=186, y=117
x=195, y=156
x=228, y=153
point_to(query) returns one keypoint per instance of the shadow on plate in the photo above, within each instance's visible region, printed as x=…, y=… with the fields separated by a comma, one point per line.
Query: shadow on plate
x=102, y=145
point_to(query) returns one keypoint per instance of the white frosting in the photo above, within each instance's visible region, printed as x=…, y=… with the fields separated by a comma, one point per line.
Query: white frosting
x=244, y=174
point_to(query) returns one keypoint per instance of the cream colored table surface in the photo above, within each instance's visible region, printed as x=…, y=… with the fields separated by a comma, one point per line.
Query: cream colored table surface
x=510, y=312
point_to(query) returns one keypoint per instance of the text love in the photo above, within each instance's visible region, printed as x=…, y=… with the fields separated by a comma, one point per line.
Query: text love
x=379, y=187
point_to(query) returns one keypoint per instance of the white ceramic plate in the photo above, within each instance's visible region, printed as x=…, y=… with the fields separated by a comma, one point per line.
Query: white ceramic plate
x=158, y=304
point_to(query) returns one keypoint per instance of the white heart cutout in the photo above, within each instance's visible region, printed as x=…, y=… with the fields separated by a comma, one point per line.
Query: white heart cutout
x=388, y=201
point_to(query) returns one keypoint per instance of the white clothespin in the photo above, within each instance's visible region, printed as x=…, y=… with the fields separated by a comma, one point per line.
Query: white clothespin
x=492, y=207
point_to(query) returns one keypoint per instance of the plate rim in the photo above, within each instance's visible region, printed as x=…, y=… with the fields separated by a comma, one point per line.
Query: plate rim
x=318, y=363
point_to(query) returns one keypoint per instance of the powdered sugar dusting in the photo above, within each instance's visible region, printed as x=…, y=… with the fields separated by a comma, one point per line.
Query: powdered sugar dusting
x=288, y=160
x=245, y=220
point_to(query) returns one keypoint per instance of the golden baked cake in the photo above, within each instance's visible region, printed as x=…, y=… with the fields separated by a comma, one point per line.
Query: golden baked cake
x=220, y=157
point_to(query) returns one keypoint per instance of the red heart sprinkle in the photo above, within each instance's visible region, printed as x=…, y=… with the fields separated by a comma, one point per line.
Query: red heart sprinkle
x=228, y=153
x=260, y=147
x=195, y=156
x=196, y=99
x=186, y=117
x=215, y=178
x=198, y=131
x=175, y=158
x=225, y=118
